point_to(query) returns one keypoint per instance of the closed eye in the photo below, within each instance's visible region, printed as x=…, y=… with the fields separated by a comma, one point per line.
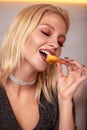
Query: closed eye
x=61, y=44
x=61, y=40
x=45, y=33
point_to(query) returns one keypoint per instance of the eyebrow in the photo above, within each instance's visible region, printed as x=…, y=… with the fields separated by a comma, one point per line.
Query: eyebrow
x=48, y=25
x=61, y=35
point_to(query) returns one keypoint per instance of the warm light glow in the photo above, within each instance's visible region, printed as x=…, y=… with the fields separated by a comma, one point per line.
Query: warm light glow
x=53, y=1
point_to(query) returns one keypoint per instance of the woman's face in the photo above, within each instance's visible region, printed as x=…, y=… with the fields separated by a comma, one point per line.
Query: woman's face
x=47, y=38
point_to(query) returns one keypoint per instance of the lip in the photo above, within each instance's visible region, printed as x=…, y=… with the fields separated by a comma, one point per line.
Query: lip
x=45, y=52
x=48, y=51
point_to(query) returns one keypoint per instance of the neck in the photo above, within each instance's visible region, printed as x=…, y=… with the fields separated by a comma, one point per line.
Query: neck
x=21, y=82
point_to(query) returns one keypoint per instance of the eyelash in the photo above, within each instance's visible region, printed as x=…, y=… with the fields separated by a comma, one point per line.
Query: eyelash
x=47, y=34
x=61, y=44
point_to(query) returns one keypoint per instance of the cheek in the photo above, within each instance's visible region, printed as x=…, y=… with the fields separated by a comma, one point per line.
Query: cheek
x=35, y=40
x=28, y=48
x=31, y=44
x=38, y=40
x=59, y=51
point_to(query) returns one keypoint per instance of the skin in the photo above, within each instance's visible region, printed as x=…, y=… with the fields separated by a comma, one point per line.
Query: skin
x=38, y=40
x=67, y=86
x=22, y=99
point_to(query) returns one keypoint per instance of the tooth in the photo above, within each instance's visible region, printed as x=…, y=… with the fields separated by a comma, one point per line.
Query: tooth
x=45, y=52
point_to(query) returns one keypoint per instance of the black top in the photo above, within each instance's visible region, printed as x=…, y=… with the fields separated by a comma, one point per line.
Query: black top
x=49, y=114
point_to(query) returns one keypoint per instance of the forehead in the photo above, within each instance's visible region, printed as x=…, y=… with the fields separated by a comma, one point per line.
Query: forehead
x=50, y=17
x=53, y=19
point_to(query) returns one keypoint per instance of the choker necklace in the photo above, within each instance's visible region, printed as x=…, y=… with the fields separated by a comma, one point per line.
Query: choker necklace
x=20, y=82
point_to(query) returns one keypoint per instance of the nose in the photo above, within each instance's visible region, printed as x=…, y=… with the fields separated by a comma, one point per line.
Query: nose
x=54, y=45
x=53, y=42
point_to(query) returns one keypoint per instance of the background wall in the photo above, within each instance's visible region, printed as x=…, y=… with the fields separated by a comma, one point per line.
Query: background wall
x=75, y=47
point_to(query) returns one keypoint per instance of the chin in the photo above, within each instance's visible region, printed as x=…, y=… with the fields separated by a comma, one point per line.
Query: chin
x=41, y=68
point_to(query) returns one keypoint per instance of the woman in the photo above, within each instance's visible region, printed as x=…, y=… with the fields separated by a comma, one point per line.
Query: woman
x=36, y=95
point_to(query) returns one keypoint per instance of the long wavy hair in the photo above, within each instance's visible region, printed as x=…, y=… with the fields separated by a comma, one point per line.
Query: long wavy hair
x=12, y=48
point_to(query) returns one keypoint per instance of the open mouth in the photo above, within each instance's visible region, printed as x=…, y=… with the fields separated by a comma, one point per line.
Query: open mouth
x=49, y=58
x=44, y=53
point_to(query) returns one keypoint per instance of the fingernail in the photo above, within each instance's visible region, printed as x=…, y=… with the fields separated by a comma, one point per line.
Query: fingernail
x=62, y=59
x=83, y=65
x=66, y=57
x=56, y=65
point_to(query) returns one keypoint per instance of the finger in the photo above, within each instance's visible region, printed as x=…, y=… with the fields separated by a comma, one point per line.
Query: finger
x=80, y=68
x=69, y=66
x=74, y=62
x=59, y=70
x=76, y=66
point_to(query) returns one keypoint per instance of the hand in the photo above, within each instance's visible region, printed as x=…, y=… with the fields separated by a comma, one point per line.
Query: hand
x=69, y=83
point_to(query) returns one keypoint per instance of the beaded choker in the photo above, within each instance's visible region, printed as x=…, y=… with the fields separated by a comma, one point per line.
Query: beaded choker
x=20, y=82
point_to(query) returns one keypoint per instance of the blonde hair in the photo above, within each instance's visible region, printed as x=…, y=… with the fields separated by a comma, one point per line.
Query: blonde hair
x=12, y=48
